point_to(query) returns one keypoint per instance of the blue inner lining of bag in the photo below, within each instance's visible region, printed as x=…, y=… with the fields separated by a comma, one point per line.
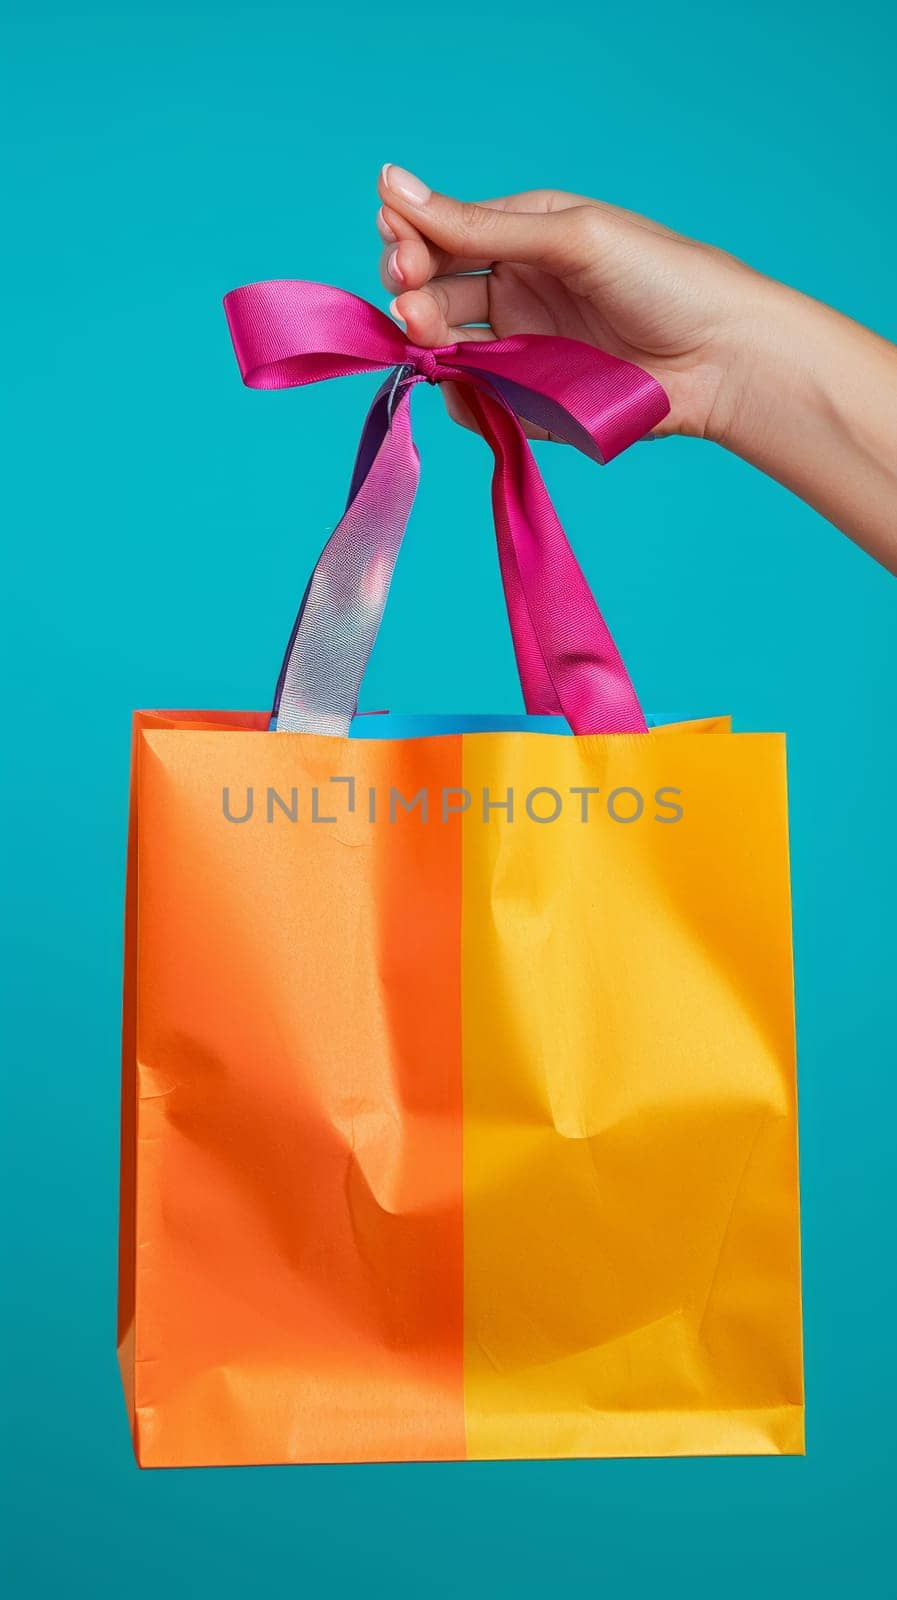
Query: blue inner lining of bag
x=399, y=725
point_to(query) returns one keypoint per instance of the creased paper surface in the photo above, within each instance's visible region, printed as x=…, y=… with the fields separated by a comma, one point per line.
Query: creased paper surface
x=448, y=1137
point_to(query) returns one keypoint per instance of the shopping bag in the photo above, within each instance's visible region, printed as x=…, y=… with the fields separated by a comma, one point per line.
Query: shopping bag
x=458, y=1106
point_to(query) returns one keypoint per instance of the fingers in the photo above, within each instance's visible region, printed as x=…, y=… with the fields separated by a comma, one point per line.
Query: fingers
x=386, y=225
x=407, y=264
x=437, y=314
x=464, y=232
x=461, y=299
x=428, y=261
x=433, y=309
x=437, y=252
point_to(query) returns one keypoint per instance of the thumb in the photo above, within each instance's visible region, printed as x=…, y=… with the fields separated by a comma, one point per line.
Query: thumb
x=478, y=235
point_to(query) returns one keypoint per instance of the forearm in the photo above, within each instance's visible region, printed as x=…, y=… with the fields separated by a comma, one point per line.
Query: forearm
x=811, y=398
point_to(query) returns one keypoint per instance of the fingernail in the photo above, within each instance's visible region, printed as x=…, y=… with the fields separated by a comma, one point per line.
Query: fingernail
x=406, y=184
x=383, y=228
x=395, y=315
x=393, y=268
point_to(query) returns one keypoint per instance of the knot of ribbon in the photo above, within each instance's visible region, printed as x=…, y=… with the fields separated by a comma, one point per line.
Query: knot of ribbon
x=431, y=364
x=287, y=333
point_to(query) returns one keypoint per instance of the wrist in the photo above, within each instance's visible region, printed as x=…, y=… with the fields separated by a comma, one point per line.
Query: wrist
x=810, y=397
x=765, y=373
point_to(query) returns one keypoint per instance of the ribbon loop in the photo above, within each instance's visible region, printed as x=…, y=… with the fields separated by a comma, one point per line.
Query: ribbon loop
x=288, y=333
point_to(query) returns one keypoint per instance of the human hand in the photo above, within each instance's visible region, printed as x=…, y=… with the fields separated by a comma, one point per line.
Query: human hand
x=803, y=393
x=559, y=263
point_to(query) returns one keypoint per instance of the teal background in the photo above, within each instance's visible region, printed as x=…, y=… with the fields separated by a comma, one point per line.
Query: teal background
x=162, y=522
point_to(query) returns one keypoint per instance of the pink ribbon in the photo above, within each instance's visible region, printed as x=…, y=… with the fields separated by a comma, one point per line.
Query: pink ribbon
x=290, y=332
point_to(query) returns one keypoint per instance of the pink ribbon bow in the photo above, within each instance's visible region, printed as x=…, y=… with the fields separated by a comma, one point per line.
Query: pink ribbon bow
x=289, y=332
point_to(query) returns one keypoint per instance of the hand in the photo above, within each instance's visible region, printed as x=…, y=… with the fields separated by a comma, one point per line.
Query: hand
x=795, y=388
x=559, y=263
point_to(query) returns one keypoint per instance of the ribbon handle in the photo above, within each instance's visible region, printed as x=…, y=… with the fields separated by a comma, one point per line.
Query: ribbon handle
x=288, y=333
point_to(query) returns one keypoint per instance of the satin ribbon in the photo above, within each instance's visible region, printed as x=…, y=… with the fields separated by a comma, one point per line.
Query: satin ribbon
x=289, y=332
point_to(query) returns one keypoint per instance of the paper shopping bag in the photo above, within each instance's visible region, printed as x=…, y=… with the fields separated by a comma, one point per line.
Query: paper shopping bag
x=458, y=1076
